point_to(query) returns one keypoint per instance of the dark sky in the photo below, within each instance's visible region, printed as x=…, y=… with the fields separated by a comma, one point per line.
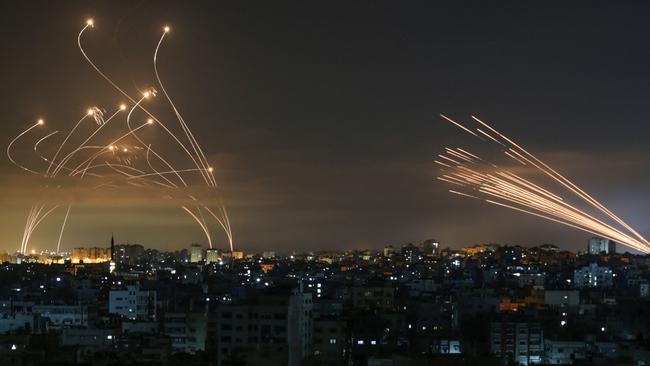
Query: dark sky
x=321, y=117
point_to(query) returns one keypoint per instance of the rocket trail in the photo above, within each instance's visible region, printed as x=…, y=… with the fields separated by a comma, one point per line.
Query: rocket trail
x=128, y=158
x=486, y=181
x=65, y=219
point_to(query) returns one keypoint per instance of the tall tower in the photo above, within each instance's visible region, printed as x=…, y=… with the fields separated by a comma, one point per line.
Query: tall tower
x=112, y=248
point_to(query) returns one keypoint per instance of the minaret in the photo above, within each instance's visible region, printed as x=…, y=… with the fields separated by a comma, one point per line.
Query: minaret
x=112, y=248
x=111, y=266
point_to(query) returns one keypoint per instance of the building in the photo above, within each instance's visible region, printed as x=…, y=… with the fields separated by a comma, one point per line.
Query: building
x=266, y=329
x=128, y=253
x=561, y=298
x=91, y=255
x=93, y=338
x=133, y=303
x=21, y=322
x=188, y=331
x=7, y=258
x=269, y=254
x=429, y=246
x=564, y=352
x=330, y=340
x=373, y=297
x=212, y=256
x=196, y=253
x=389, y=251
x=521, y=342
x=63, y=315
x=598, y=246
x=593, y=275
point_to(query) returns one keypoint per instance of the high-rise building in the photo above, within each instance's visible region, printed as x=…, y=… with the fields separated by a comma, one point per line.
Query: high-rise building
x=522, y=342
x=133, y=303
x=196, y=253
x=593, y=275
x=128, y=253
x=212, y=256
x=111, y=267
x=598, y=245
x=271, y=327
x=188, y=331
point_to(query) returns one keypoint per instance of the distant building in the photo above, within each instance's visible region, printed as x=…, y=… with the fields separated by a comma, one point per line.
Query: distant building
x=196, y=253
x=212, y=256
x=63, y=315
x=128, y=253
x=598, y=245
x=521, y=342
x=133, y=303
x=429, y=246
x=593, y=275
x=91, y=255
x=561, y=298
x=269, y=254
x=7, y=258
x=373, y=297
x=237, y=254
x=389, y=251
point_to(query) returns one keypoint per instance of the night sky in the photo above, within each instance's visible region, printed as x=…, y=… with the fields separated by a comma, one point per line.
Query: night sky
x=321, y=118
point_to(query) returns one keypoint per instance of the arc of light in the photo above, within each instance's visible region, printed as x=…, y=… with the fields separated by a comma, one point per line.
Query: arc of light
x=40, y=122
x=205, y=230
x=163, y=173
x=29, y=218
x=127, y=95
x=128, y=123
x=198, y=209
x=155, y=170
x=71, y=154
x=459, y=125
x=557, y=207
x=42, y=139
x=575, y=213
x=105, y=148
x=115, y=167
x=35, y=224
x=63, y=143
x=225, y=225
x=641, y=249
x=34, y=216
x=567, y=183
x=508, y=188
x=450, y=181
x=65, y=219
x=460, y=156
x=184, y=127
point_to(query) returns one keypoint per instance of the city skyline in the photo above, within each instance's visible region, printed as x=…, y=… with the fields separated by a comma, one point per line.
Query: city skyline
x=325, y=138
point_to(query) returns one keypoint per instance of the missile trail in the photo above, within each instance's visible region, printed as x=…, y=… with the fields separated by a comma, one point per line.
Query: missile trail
x=487, y=182
x=160, y=159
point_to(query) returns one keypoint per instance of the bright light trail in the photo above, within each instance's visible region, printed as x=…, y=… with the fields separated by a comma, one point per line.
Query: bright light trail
x=488, y=182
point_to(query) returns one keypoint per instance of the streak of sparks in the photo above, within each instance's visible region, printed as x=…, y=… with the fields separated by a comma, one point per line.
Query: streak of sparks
x=488, y=182
x=125, y=160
